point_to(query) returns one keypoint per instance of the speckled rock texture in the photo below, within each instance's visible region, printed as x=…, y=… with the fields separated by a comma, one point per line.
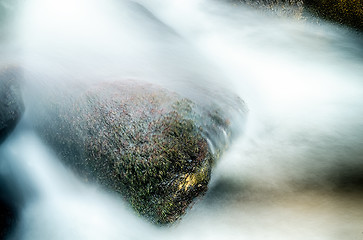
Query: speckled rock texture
x=149, y=144
x=347, y=12
x=11, y=103
x=281, y=8
x=344, y=12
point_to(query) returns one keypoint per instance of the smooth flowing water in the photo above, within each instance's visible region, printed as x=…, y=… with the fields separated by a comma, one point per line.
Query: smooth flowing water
x=295, y=173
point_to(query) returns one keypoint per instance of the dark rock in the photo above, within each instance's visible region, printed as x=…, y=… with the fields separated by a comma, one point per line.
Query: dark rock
x=11, y=103
x=283, y=8
x=344, y=12
x=151, y=145
x=8, y=218
x=347, y=12
x=8, y=208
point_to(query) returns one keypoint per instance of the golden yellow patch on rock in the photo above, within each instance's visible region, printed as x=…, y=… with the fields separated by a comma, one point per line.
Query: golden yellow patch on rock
x=189, y=181
x=192, y=179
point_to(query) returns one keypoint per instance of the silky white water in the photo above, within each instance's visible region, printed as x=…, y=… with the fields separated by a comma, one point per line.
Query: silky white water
x=295, y=173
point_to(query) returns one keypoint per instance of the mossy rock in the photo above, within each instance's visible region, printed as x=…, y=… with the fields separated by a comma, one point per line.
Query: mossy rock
x=347, y=12
x=140, y=140
x=11, y=103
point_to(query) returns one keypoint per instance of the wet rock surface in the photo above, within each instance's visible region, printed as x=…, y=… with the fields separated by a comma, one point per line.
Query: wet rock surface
x=346, y=12
x=11, y=103
x=8, y=218
x=151, y=145
x=9, y=207
x=282, y=8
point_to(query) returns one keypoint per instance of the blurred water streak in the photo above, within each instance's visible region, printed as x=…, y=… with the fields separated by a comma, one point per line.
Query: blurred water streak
x=297, y=173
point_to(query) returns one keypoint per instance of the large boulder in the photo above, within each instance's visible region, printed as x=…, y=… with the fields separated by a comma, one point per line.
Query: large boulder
x=149, y=144
x=11, y=103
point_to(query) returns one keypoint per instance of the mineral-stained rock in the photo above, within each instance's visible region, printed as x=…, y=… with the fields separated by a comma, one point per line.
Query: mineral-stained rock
x=11, y=104
x=151, y=145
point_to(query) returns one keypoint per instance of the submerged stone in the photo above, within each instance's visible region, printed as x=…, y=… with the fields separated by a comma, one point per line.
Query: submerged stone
x=11, y=103
x=151, y=145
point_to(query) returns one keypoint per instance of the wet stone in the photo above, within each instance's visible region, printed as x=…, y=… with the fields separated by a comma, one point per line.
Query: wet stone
x=345, y=12
x=145, y=142
x=11, y=103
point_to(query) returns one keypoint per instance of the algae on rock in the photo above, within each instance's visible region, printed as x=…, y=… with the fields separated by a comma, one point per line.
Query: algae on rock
x=140, y=140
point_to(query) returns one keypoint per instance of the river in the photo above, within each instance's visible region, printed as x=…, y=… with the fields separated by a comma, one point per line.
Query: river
x=295, y=173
